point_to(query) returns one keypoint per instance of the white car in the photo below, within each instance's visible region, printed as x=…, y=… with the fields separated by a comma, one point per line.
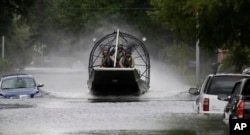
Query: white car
x=206, y=100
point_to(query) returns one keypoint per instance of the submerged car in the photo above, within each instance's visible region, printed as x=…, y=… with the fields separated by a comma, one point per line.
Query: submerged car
x=206, y=101
x=18, y=86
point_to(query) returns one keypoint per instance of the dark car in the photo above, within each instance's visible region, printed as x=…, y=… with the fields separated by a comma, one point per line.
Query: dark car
x=18, y=85
x=238, y=105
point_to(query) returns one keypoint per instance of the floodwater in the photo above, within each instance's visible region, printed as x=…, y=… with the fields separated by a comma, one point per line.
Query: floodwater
x=65, y=107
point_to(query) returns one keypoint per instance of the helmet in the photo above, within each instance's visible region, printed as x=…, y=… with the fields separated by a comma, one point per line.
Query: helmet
x=105, y=52
x=128, y=52
x=120, y=46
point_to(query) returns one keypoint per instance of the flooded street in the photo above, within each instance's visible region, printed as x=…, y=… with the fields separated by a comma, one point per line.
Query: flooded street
x=65, y=107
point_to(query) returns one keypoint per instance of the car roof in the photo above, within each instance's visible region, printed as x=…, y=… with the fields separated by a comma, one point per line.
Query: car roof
x=229, y=74
x=16, y=75
x=244, y=79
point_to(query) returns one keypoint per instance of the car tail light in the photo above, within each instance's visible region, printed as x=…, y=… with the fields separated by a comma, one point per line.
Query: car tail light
x=206, y=104
x=240, y=109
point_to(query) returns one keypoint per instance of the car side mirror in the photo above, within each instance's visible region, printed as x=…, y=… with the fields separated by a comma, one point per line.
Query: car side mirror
x=40, y=85
x=193, y=91
x=223, y=97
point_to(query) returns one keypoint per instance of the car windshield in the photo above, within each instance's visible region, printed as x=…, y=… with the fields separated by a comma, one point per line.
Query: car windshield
x=222, y=84
x=18, y=82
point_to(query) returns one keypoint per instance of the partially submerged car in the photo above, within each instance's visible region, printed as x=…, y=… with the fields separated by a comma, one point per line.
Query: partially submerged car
x=206, y=101
x=116, y=80
x=18, y=86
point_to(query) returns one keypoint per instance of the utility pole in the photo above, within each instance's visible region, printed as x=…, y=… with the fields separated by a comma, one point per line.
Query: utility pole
x=197, y=52
x=2, y=46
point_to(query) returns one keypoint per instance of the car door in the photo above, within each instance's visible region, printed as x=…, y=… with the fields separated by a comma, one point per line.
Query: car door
x=200, y=97
x=232, y=103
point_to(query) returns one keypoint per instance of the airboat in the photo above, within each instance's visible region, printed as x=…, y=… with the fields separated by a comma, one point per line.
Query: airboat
x=115, y=80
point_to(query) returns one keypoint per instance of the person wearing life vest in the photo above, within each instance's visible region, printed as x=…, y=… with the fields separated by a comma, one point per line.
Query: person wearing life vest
x=119, y=55
x=127, y=61
x=106, y=60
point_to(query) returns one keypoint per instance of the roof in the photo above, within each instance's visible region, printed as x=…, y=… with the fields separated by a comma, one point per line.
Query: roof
x=246, y=71
x=17, y=75
x=229, y=74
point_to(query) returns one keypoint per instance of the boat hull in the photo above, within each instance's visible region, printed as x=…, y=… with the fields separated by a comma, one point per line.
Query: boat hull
x=116, y=81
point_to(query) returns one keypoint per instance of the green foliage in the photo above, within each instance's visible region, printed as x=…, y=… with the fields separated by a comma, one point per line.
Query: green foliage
x=180, y=55
x=17, y=41
x=14, y=27
x=9, y=9
x=237, y=58
x=4, y=65
x=61, y=23
x=175, y=16
x=216, y=23
x=220, y=23
x=20, y=35
x=79, y=15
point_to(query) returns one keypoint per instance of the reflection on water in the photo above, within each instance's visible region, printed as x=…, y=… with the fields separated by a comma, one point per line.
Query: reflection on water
x=113, y=99
x=14, y=106
x=199, y=124
x=151, y=132
x=137, y=132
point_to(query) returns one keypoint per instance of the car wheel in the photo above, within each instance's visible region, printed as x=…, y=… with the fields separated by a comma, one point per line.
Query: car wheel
x=231, y=117
x=225, y=119
x=198, y=109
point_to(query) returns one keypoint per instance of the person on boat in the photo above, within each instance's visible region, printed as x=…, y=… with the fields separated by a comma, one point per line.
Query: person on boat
x=120, y=53
x=127, y=61
x=106, y=60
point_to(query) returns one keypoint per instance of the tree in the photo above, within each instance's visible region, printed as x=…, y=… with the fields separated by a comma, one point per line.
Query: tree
x=237, y=58
x=14, y=28
x=220, y=22
x=9, y=9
